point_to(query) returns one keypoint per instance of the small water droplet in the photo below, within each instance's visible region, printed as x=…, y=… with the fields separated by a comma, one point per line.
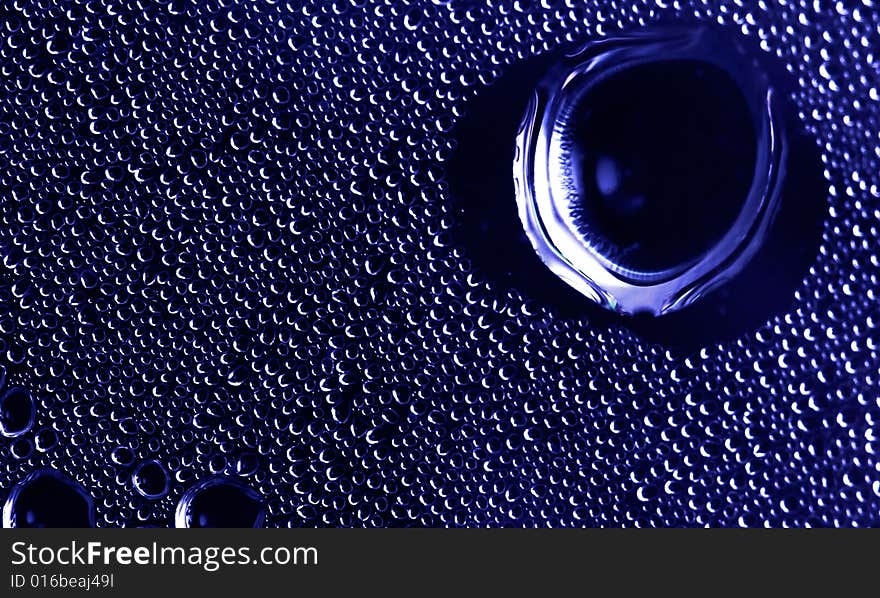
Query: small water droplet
x=247, y=464
x=150, y=479
x=122, y=455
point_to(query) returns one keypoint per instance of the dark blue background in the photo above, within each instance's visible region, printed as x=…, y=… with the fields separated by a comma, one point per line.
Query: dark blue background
x=232, y=243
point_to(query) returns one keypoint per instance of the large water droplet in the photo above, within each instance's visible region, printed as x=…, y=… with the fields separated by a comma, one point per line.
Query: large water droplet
x=16, y=412
x=648, y=167
x=220, y=502
x=48, y=498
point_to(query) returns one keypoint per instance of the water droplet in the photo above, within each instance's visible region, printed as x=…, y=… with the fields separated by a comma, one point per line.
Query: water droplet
x=16, y=412
x=247, y=464
x=45, y=440
x=48, y=498
x=122, y=455
x=220, y=502
x=150, y=479
x=648, y=167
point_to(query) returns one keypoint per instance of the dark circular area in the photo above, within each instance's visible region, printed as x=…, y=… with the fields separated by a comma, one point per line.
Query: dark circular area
x=664, y=155
x=224, y=504
x=49, y=499
x=16, y=412
x=151, y=479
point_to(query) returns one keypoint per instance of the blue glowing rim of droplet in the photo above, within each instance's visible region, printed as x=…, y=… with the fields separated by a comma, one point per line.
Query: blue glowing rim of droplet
x=545, y=204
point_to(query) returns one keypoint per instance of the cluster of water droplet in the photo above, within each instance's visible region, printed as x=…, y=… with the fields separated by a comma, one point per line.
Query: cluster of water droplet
x=225, y=234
